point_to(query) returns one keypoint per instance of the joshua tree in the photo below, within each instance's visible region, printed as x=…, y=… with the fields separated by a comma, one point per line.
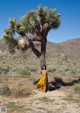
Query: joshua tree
x=37, y=23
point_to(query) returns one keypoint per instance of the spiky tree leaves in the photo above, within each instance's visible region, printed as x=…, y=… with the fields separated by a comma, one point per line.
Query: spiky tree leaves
x=38, y=23
x=9, y=40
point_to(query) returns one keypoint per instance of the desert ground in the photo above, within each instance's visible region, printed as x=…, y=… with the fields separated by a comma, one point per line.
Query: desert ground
x=19, y=71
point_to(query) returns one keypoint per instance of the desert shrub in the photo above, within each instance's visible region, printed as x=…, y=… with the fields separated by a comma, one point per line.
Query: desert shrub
x=77, y=88
x=78, y=70
x=12, y=107
x=51, y=69
x=66, y=69
x=22, y=71
x=1, y=70
x=5, y=90
x=33, y=69
x=4, y=70
x=59, y=70
x=21, y=91
x=32, y=78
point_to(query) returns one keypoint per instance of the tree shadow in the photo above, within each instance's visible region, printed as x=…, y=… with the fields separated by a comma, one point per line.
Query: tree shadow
x=58, y=83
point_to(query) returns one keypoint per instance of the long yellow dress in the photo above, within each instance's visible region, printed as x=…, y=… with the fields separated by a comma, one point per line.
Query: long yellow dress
x=43, y=81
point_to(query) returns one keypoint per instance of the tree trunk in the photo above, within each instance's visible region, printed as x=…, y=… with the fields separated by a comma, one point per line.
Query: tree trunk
x=42, y=57
x=43, y=52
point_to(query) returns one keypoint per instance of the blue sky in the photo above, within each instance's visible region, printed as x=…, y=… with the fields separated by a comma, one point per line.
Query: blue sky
x=69, y=9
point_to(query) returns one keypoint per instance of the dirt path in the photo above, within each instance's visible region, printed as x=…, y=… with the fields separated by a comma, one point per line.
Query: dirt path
x=51, y=102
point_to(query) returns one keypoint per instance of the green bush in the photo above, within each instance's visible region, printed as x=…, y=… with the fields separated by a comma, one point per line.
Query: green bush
x=66, y=70
x=20, y=91
x=12, y=107
x=22, y=71
x=78, y=70
x=33, y=69
x=4, y=70
x=51, y=69
x=77, y=88
x=5, y=90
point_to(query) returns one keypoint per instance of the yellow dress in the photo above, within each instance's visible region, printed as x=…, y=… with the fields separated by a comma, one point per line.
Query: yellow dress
x=42, y=82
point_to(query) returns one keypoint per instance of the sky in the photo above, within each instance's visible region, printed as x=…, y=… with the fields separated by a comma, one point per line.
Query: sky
x=69, y=10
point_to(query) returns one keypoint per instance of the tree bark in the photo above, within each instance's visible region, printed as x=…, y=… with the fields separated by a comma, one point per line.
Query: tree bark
x=43, y=51
x=42, y=57
x=35, y=51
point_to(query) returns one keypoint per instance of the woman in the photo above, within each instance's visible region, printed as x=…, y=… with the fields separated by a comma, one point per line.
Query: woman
x=42, y=83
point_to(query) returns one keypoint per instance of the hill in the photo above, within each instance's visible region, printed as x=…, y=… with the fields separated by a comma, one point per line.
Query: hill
x=61, y=57
x=70, y=48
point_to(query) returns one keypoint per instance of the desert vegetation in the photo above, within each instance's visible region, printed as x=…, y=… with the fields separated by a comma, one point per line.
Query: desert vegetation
x=19, y=71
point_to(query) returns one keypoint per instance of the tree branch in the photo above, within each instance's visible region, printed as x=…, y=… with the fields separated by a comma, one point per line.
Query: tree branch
x=37, y=30
x=45, y=29
x=31, y=37
x=36, y=52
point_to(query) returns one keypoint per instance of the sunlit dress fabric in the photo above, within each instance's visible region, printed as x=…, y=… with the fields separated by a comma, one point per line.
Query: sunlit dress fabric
x=42, y=82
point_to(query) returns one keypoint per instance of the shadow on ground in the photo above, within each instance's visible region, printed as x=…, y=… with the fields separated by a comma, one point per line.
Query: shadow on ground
x=58, y=83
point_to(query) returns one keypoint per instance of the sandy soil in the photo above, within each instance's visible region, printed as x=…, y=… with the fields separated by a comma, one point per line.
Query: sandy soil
x=56, y=101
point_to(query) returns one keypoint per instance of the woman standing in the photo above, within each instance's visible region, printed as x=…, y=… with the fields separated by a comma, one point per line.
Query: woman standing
x=43, y=82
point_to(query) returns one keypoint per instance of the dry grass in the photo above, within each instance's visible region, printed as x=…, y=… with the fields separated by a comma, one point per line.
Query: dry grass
x=77, y=88
x=19, y=71
x=21, y=91
x=44, y=99
x=71, y=98
x=12, y=107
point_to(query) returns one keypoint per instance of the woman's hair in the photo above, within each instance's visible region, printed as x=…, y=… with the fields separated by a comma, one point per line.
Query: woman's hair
x=43, y=67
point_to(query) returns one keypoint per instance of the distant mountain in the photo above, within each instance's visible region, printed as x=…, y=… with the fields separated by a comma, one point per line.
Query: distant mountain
x=70, y=48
